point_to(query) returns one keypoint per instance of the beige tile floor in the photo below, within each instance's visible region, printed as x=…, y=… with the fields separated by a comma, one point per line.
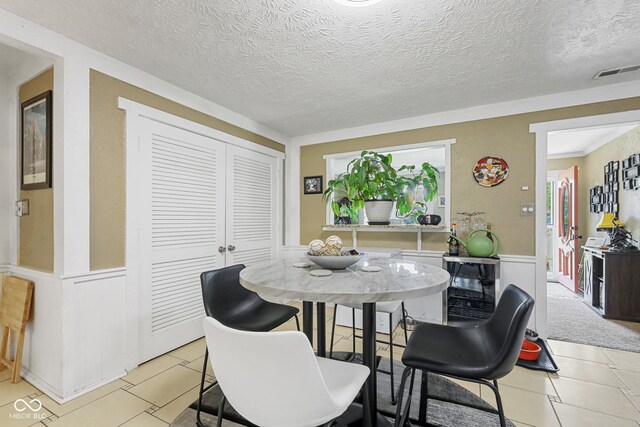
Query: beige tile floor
x=595, y=387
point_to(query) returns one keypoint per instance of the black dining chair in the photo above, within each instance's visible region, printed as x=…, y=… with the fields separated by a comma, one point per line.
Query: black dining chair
x=227, y=301
x=480, y=352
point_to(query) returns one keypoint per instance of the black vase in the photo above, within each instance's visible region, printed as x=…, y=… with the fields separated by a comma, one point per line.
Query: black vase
x=429, y=219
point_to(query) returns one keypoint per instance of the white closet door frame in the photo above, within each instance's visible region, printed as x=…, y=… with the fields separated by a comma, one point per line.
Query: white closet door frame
x=249, y=233
x=183, y=178
x=134, y=112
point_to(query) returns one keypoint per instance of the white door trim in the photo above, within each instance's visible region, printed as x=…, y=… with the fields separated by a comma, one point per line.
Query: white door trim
x=134, y=112
x=541, y=131
x=173, y=120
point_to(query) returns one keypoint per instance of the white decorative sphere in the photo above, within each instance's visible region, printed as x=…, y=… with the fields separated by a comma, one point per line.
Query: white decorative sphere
x=334, y=242
x=330, y=251
x=316, y=246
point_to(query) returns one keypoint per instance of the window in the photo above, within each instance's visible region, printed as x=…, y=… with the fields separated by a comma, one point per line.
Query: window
x=437, y=153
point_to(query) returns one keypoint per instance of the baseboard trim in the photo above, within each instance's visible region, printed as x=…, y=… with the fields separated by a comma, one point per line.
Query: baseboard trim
x=43, y=386
x=56, y=395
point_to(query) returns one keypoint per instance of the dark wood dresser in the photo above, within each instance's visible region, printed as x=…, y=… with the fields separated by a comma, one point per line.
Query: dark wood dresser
x=611, y=282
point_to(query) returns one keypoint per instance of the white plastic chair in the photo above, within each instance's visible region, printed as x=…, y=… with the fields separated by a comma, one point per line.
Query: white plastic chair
x=273, y=379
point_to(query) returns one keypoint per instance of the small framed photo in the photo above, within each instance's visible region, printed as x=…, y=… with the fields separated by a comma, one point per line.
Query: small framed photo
x=615, y=166
x=606, y=168
x=442, y=201
x=313, y=185
x=36, y=142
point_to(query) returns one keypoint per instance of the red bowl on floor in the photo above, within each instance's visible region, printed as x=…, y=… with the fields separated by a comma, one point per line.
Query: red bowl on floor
x=529, y=350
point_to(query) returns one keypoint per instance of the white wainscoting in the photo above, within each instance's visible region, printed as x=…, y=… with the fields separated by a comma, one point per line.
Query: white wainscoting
x=74, y=342
x=42, y=360
x=520, y=270
x=94, y=326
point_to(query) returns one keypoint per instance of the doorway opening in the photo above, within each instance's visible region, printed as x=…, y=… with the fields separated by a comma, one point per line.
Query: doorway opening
x=583, y=182
x=22, y=78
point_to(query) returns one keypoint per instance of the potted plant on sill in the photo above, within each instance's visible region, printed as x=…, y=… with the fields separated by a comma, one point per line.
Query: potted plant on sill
x=373, y=184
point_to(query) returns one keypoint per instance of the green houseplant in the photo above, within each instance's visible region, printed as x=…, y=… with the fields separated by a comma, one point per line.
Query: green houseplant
x=373, y=184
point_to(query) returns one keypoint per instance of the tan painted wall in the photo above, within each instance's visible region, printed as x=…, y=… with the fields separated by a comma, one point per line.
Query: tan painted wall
x=108, y=167
x=36, y=229
x=583, y=191
x=629, y=201
x=507, y=137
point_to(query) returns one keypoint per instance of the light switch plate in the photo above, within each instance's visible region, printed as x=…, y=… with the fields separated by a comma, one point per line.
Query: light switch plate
x=22, y=207
x=527, y=209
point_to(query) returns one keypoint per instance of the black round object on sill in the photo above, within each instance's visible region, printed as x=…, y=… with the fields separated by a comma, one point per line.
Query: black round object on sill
x=429, y=219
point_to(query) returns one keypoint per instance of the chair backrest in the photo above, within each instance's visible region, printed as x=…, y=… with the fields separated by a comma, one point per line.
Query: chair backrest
x=505, y=329
x=270, y=378
x=223, y=295
x=16, y=302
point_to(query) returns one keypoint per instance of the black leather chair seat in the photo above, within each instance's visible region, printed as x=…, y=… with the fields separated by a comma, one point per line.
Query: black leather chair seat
x=261, y=317
x=481, y=352
x=461, y=351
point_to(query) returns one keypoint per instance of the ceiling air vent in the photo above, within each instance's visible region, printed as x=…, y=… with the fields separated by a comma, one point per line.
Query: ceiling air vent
x=613, y=72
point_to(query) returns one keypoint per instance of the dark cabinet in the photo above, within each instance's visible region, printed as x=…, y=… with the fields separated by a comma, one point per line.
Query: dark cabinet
x=611, y=283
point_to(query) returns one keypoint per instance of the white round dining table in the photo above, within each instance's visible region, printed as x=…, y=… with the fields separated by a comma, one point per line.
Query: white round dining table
x=397, y=280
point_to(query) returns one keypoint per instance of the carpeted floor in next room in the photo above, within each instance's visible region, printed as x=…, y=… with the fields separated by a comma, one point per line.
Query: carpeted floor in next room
x=570, y=320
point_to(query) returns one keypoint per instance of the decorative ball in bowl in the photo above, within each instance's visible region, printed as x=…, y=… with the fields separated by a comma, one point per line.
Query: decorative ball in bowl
x=331, y=254
x=332, y=262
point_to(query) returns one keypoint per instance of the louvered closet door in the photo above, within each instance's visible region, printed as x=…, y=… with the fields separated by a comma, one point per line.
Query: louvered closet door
x=251, y=206
x=182, y=226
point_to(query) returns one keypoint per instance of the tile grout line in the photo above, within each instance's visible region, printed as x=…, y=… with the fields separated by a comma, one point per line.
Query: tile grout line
x=598, y=412
x=554, y=411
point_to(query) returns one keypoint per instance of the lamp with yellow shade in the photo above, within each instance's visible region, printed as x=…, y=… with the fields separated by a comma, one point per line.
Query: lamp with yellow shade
x=608, y=222
x=621, y=239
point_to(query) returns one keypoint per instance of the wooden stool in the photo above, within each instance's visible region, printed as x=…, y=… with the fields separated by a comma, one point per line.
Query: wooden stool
x=14, y=314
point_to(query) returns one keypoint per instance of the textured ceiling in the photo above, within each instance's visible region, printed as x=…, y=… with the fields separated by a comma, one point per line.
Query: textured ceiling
x=307, y=66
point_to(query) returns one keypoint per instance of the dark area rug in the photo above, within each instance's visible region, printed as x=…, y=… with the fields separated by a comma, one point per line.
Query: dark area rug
x=440, y=412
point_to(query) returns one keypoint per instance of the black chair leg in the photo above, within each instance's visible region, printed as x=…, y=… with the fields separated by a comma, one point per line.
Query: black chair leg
x=333, y=331
x=424, y=397
x=393, y=397
x=495, y=389
x=200, y=395
x=402, y=416
x=404, y=323
x=353, y=330
x=221, y=411
x=297, y=323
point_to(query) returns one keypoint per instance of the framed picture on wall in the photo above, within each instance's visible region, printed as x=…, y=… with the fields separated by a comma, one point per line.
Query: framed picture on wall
x=313, y=185
x=36, y=142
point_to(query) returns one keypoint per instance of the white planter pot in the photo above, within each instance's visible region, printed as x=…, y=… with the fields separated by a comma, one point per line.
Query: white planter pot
x=378, y=211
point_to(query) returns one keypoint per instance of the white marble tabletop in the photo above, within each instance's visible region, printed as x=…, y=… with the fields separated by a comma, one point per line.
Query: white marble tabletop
x=398, y=280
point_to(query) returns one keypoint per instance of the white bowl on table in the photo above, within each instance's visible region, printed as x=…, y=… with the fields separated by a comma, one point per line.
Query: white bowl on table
x=335, y=262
